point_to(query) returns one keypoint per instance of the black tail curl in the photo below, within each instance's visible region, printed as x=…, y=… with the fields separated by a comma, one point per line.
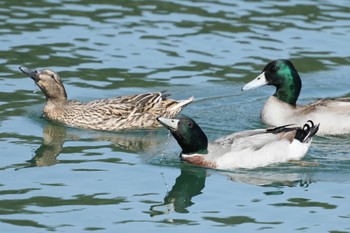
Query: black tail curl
x=305, y=133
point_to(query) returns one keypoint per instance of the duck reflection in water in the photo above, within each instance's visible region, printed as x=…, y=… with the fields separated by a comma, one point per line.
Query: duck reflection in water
x=273, y=176
x=191, y=182
x=55, y=135
x=53, y=139
x=188, y=185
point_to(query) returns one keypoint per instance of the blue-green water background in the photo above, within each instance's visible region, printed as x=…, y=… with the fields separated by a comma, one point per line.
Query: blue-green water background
x=60, y=179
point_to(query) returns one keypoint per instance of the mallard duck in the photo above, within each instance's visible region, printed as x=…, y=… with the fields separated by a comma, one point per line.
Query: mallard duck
x=281, y=107
x=246, y=149
x=118, y=113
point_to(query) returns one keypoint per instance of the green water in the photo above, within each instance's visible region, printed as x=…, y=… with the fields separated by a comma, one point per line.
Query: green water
x=60, y=179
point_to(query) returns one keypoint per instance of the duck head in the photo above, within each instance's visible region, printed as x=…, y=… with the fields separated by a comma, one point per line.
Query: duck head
x=281, y=74
x=187, y=133
x=49, y=83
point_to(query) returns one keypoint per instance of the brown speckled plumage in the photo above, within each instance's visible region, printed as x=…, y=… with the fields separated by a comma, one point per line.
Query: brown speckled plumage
x=112, y=114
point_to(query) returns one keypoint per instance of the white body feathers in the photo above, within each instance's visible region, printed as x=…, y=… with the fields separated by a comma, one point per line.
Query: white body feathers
x=332, y=114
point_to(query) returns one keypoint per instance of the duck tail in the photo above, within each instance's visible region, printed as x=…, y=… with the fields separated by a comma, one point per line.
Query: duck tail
x=182, y=103
x=305, y=133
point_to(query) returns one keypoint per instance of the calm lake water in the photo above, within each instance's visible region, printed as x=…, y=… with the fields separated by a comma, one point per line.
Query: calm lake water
x=55, y=178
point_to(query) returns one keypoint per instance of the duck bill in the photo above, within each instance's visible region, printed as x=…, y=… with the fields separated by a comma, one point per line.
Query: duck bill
x=257, y=82
x=29, y=72
x=170, y=124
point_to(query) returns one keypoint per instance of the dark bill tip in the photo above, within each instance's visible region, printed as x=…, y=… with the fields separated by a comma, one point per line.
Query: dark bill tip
x=27, y=71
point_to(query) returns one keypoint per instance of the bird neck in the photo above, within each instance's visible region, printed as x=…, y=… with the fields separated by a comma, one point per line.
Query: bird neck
x=288, y=91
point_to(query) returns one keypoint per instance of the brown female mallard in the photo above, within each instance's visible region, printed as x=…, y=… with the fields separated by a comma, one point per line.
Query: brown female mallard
x=118, y=113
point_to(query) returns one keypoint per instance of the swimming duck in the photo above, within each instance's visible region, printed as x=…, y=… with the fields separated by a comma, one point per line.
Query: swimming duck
x=246, y=149
x=281, y=107
x=118, y=113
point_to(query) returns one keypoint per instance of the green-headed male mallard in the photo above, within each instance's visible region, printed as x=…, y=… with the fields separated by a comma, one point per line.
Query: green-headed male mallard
x=281, y=108
x=118, y=113
x=246, y=149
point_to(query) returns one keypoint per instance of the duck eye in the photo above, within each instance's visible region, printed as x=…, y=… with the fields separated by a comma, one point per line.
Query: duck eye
x=274, y=68
x=190, y=124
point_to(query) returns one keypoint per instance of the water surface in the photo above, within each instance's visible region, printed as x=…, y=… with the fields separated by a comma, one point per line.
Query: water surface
x=56, y=178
